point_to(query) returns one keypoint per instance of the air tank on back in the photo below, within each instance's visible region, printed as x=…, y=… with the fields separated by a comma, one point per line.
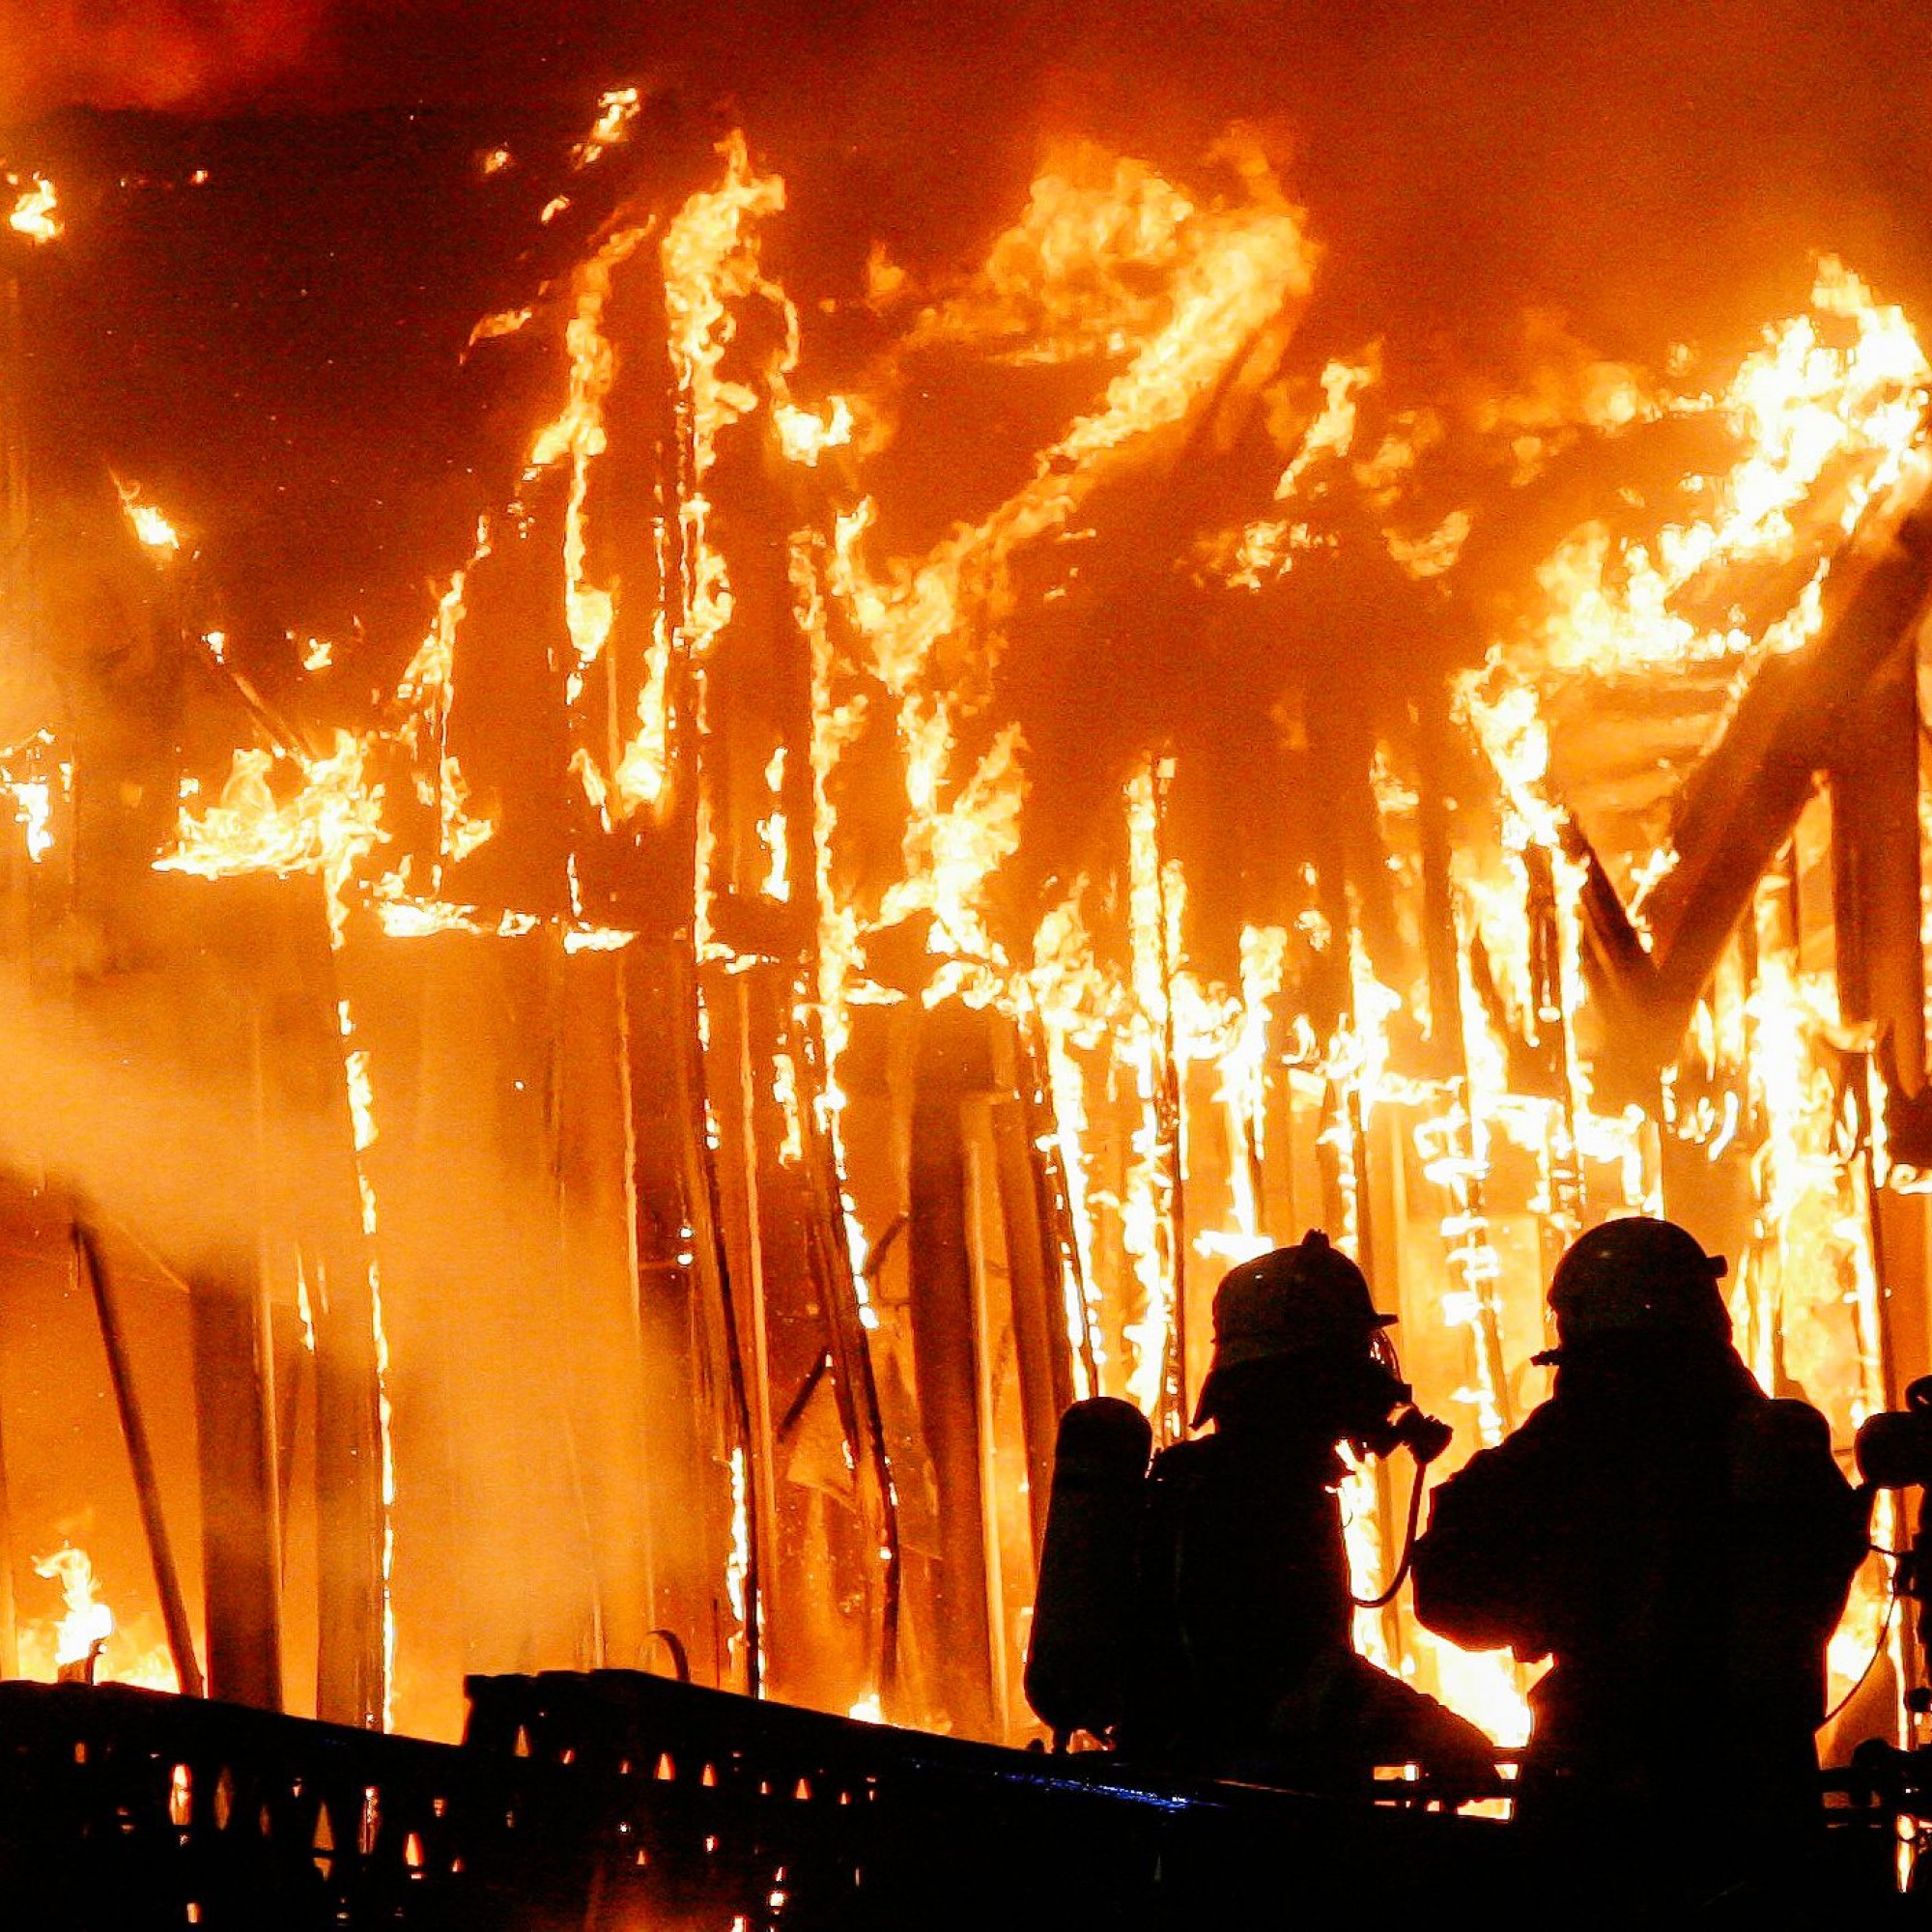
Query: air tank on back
x=1083, y=1622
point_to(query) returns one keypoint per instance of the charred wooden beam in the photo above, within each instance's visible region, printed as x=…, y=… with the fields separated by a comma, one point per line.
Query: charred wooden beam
x=1875, y=867
x=744, y=1223
x=825, y=1495
x=1899, y=1223
x=1618, y=972
x=1741, y=803
x=1039, y=1325
x=223, y=1020
x=951, y=1061
x=1056, y=1198
x=140, y=1461
x=1351, y=855
x=1172, y=1191
x=351, y=1667
x=351, y=1663
x=721, y=1320
x=1442, y=950
x=687, y=1525
x=1328, y=987
x=240, y=1536
x=1876, y=910
x=855, y=1382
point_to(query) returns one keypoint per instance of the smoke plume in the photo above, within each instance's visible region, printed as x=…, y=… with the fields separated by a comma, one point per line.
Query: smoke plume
x=169, y=54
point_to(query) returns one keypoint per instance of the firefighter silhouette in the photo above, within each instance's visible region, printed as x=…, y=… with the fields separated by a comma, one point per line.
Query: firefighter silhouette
x=1199, y=1611
x=1681, y=1546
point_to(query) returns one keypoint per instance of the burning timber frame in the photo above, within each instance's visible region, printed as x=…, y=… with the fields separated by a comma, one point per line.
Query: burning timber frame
x=836, y=1241
x=1846, y=711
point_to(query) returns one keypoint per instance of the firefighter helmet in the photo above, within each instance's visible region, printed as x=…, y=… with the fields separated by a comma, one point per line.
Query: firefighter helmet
x=1308, y=1296
x=1638, y=1276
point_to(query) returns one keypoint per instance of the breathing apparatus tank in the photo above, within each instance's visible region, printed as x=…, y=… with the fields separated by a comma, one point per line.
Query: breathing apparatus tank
x=1081, y=1651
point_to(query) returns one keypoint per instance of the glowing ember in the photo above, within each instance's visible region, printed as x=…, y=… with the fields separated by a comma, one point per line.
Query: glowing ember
x=37, y=781
x=33, y=802
x=150, y=525
x=804, y=436
x=33, y=213
x=506, y=322
x=615, y=112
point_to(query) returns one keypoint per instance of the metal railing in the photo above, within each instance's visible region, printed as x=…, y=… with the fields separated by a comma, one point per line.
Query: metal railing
x=616, y=1801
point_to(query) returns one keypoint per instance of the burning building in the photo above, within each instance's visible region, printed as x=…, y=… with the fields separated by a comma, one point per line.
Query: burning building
x=595, y=1053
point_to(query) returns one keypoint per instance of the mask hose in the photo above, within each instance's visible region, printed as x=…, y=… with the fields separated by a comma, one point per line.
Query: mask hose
x=1400, y=1576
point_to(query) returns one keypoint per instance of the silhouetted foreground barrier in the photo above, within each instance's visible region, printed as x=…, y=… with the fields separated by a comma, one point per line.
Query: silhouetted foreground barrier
x=620, y=1800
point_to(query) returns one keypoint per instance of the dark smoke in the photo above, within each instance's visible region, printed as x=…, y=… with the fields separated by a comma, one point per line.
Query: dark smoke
x=1628, y=151
x=173, y=54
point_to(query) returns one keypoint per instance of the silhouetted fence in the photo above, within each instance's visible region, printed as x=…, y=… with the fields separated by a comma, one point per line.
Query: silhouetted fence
x=621, y=1803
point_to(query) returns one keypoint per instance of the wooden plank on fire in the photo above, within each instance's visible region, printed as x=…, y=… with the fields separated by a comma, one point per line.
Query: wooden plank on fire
x=1876, y=885
x=240, y=1526
x=1039, y=1327
x=1741, y=803
x=952, y=1060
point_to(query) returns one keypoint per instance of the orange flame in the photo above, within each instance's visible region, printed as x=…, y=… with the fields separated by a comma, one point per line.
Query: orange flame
x=33, y=213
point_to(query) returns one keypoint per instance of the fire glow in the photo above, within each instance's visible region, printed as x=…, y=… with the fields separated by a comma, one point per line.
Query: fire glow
x=1404, y=1051
x=32, y=212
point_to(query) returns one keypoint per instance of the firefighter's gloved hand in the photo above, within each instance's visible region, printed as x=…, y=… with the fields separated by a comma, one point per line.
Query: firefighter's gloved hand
x=1345, y=1713
x=1460, y=1757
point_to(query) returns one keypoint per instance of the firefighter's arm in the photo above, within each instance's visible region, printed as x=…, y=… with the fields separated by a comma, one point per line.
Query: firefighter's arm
x=1799, y=1533
x=1803, y=1528
x=1478, y=1567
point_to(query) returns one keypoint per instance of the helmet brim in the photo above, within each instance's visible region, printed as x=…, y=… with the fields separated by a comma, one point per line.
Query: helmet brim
x=1241, y=1351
